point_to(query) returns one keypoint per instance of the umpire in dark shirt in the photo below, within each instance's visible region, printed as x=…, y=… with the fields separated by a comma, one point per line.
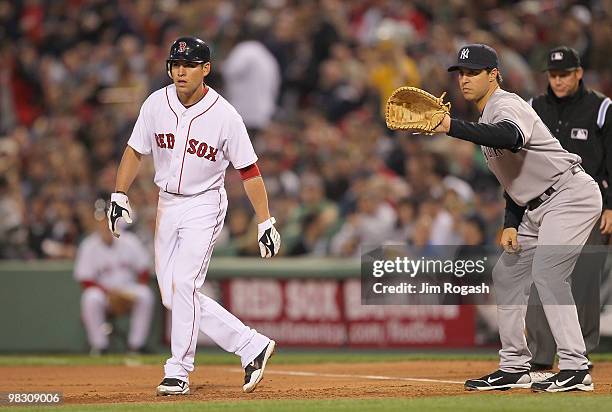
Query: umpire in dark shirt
x=582, y=121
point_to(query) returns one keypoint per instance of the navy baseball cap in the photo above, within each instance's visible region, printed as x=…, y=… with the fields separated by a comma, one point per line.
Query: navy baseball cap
x=563, y=59
x=475, y=57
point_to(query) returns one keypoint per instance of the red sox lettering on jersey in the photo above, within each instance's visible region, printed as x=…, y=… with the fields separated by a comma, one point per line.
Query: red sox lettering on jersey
x=165, y=140
x=191, y=146
x=201, y=149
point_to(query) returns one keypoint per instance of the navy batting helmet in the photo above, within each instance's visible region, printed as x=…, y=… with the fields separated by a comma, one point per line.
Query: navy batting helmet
x=189, y=49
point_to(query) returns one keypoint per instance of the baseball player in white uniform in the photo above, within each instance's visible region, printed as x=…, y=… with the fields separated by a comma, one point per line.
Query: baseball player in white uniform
x=193, y=134
x=112, y=270
x=551, y=207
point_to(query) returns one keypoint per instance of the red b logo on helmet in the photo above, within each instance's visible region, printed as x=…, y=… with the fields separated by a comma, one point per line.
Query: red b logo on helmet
x=182, y=47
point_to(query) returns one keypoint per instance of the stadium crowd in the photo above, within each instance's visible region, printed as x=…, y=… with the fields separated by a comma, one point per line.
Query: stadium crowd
x=310, y=79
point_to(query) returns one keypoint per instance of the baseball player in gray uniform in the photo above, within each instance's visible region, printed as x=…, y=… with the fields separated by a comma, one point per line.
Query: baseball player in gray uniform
x=551, y=206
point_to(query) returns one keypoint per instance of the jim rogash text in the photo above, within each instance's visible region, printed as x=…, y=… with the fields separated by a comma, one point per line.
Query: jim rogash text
x=428, y=289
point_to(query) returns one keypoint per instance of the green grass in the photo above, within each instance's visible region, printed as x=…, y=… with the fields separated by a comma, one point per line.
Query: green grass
x=218, y=358
x=281, y=358
x=473, y=403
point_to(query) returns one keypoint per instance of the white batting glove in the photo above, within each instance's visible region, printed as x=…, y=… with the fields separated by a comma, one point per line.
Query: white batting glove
x=269, y=238
x=119, y=207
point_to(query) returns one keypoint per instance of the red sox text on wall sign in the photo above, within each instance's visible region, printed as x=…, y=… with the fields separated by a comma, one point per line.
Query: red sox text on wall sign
x=200, y=149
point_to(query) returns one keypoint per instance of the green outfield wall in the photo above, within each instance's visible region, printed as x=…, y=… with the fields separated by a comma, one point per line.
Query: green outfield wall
x=39, y=300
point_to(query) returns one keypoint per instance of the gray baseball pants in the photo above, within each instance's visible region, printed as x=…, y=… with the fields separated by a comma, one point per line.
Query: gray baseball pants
x=585, y=281
x=551, y=238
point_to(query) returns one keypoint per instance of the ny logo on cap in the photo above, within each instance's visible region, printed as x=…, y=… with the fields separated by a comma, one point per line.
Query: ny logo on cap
x=182, y=47
x=464, y=54
x=556, y=56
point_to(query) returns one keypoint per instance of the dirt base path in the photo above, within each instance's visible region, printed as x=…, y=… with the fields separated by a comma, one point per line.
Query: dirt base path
x=137, y=383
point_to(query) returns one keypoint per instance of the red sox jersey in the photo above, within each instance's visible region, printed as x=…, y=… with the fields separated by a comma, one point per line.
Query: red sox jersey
x=113, y=266
x=192, y=146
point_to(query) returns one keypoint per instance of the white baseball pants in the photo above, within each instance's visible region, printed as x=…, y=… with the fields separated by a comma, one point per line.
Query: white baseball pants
x=94, y=306
x=186, y=231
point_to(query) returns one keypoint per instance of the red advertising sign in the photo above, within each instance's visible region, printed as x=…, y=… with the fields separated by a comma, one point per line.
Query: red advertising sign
x=329, y=313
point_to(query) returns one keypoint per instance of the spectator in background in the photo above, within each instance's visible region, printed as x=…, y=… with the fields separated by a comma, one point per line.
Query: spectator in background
x=575, y=33
x=467, y=163
x=337, y=96
x=404, y=226
x=310, y=225
x=390, y=67
x=443, y=230
x=73, y=78
x=252, y=81
x=600, y=57
x=421, y=235
x=13, y=233
x=114, y=275
x=237, y=238
x=280, y=179
x=370, y=225
x=473, y=231
x=322, y=30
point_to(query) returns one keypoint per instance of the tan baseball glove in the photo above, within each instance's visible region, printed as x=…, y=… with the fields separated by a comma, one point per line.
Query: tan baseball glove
x=120, y=303
x=415, y=110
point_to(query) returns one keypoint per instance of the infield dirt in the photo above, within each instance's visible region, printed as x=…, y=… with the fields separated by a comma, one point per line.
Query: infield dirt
x=136, y=383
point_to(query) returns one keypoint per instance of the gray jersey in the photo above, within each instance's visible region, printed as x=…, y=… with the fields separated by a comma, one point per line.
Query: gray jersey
x=527, y=173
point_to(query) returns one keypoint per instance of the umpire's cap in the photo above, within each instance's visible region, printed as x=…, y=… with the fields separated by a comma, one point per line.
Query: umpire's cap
x=189, y=49
x=563, y=59
x=476, y=57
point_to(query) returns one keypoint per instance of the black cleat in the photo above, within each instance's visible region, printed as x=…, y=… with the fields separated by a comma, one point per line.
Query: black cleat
x=499, y=380
x=253, y=373
x=172, y=386
x=565, y=380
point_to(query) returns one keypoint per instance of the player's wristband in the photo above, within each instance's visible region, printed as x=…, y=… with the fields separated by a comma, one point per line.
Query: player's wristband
x=266, y=224
x=249, y=172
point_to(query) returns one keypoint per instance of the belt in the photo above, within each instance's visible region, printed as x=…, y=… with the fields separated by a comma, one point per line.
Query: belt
x=535, y=203
x=192, y=194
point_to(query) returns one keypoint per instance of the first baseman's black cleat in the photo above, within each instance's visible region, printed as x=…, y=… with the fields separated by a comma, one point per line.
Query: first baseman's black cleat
x=499, y=380
x=172, y=386
x=565, y=380
x=253, y=373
